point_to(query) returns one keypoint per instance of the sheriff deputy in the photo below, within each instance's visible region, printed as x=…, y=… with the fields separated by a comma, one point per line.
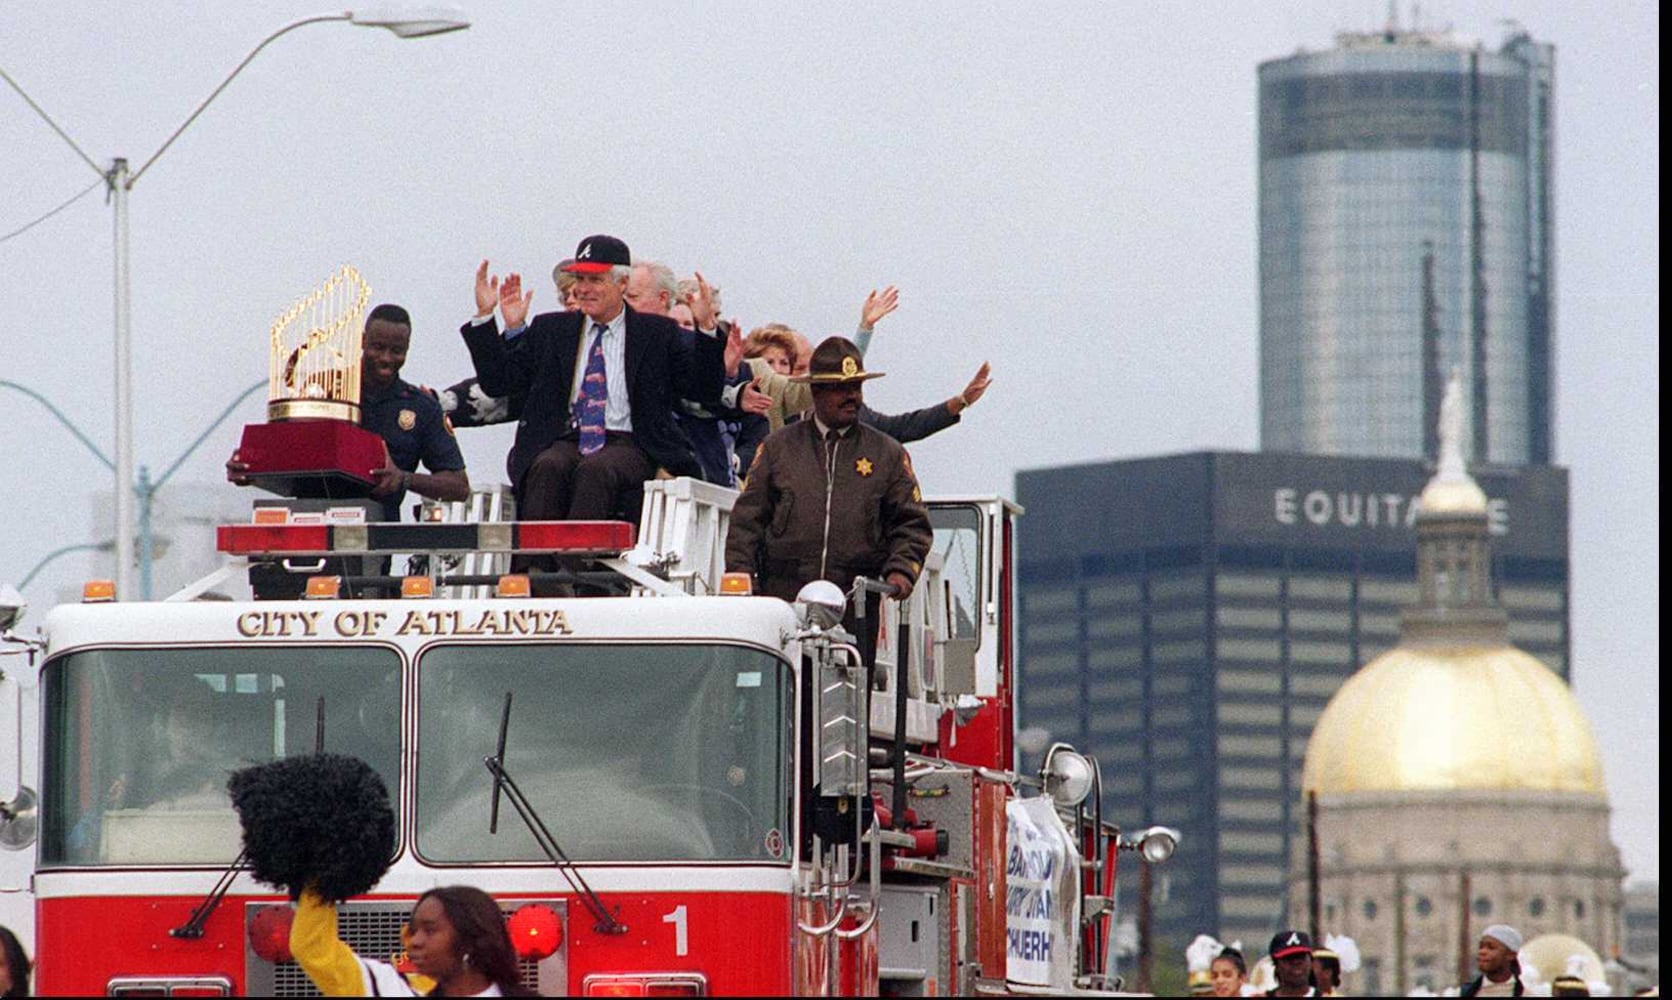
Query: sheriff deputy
x=830, y=498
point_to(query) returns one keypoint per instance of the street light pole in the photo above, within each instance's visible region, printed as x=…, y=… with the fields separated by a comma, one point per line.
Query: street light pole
x=61, y=551
x=59, y=415
x=143, y=490
x=120, y=182
x=147, y=491
x=119, y=185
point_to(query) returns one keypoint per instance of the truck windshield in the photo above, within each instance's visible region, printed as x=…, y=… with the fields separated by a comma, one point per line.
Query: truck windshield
x=140, y=742
x=674, y=752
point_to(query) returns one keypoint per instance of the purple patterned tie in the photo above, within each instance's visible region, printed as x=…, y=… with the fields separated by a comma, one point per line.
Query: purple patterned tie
x=593, y=396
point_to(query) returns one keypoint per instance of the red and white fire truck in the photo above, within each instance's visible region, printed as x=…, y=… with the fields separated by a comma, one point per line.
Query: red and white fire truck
x=675, y=791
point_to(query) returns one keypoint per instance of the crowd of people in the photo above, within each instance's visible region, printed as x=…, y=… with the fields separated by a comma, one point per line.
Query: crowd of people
x=1294, y=966
x=710, y=397
x=638, y=377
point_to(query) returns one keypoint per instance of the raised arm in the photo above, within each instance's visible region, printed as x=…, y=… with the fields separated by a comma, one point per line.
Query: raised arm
x=509, y=297
x=876, y=306
x=699, y=362
x=916, y=425
x=502, y=369
x=322, y=954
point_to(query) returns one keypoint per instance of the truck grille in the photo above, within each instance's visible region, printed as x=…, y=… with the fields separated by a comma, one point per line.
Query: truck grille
x=373, y=930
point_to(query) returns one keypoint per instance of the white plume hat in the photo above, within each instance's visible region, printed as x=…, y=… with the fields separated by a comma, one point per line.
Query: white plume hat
x=1200, y=954
x=1346, y=950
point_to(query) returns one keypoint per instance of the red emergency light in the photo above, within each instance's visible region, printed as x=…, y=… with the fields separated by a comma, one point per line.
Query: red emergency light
x=567, y=537
x=574, y=536
x=536, y=931
x=244, y=539
x=270, y=933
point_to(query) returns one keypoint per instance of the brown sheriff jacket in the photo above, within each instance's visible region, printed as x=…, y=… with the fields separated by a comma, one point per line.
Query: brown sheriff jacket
x=876, y=522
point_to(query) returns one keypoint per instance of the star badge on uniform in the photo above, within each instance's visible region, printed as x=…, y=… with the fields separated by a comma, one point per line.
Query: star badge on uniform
x=863, y=467
x=407, y=420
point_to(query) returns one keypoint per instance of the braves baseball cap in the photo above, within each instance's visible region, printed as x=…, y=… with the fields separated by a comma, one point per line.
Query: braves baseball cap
x=597, y=254
x=1286, y=943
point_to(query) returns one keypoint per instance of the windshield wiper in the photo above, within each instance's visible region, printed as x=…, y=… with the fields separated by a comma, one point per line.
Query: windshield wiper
x=604, y=922
x=192, y=929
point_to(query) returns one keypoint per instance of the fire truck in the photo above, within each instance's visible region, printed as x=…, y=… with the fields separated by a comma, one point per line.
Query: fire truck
x=672, y=787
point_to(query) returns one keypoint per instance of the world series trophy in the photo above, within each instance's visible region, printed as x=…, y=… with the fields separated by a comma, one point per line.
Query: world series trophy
x=312, y=445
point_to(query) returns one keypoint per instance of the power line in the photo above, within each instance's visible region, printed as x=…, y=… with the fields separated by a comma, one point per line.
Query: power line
x=80, y=195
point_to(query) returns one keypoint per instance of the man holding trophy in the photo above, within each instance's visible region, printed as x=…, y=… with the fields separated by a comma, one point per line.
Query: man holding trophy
x=341, y=421
x=407, y=418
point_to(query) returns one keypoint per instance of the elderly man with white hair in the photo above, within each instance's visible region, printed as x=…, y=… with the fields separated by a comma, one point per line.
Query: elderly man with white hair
x=599, y=385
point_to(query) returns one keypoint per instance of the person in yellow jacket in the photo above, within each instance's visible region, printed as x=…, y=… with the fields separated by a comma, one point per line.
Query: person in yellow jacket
x=456, y=943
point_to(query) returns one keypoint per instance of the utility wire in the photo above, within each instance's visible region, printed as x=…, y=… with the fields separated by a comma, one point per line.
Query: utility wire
x=55, y=126
x=82, y=194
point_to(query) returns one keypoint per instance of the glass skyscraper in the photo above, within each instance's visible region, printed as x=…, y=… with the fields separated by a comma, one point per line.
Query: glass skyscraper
x=1406, y=228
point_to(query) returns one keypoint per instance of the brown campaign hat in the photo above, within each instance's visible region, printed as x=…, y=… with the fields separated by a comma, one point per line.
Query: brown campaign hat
x=836, y=360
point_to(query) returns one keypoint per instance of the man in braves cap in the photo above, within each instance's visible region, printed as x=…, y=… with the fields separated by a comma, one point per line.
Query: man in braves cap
x=1291, y=959
x=599, y=385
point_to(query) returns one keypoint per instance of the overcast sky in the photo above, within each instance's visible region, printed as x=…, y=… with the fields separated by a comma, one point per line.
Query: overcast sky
x=1067, y=190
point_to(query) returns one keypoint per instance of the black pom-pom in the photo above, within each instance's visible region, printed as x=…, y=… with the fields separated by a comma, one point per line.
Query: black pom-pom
x=322, y=820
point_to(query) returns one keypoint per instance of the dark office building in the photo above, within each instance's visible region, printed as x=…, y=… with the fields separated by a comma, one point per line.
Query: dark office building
x=1186, y=618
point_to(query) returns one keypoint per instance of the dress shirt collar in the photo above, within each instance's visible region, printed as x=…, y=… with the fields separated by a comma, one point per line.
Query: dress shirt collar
x=824, y=432
x=614, y=328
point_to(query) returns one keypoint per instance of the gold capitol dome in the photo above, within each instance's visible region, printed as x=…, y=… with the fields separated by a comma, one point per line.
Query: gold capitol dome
x=1439, y=718
x=1454, y=707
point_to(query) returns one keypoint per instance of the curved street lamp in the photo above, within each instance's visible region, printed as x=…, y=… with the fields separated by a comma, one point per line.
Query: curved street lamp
x=402, y=22
x=144, y=489
x=62, y=550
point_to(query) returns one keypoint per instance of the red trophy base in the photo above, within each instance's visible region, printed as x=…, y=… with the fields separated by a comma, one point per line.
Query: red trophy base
x=311, y=458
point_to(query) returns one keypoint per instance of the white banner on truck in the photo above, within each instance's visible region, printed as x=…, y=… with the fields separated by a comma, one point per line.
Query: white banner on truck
x=1042, y=902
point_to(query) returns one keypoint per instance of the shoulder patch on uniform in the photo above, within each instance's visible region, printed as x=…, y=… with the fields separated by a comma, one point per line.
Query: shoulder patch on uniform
x=407, y=420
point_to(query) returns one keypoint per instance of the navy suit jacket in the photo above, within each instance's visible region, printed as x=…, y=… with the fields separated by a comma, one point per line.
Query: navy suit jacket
x=539, y=364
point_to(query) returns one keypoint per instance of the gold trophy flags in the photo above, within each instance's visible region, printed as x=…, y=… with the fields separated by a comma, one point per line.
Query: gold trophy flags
x=314, y=361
